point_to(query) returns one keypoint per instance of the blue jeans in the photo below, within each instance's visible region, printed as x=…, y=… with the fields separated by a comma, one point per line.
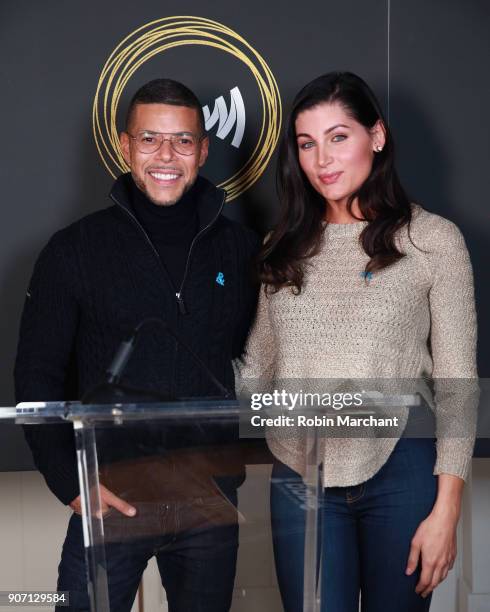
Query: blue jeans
x=196, y=549
x=365, y=534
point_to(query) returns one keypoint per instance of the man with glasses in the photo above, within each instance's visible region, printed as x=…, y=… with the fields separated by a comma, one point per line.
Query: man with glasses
x=162, y=249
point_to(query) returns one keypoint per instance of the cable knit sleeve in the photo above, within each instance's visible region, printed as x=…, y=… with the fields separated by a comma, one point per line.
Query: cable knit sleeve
x=453, y=349
x=42, y=369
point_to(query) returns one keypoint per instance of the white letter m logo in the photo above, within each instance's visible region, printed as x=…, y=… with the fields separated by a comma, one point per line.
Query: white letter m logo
x=227, y=119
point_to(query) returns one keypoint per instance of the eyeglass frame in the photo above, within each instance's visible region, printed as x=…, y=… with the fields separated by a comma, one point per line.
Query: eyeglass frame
x=199, y=139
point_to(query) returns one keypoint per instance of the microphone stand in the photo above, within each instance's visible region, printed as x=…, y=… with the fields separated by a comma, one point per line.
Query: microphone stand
x=111, y=389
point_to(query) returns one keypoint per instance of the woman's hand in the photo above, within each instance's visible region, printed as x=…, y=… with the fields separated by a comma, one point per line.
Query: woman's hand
x=434, y=542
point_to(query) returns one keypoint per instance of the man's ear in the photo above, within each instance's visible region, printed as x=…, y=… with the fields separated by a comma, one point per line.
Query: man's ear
x=203, y=155
x=124, y=142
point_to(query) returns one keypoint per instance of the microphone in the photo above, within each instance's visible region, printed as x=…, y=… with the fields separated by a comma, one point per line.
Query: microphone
x=120, y=359
x=126, y=348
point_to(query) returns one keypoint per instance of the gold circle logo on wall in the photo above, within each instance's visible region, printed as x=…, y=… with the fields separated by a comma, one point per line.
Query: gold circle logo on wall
x=168, y=33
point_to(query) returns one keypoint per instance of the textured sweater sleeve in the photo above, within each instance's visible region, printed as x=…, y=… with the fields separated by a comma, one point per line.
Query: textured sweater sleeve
x=42, y=369
x=248, y=243
x=453, y=349
x=258, y=360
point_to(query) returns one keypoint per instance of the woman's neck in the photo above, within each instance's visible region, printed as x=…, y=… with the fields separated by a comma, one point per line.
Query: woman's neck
x=337, y=212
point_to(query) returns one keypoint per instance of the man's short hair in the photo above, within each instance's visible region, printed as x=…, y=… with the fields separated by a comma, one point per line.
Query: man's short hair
x=166, y=91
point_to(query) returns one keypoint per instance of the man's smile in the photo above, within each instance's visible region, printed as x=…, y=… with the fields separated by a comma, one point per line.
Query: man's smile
x=167, y=177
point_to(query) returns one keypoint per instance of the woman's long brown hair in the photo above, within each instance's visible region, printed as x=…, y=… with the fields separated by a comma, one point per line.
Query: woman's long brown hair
x=381, y=198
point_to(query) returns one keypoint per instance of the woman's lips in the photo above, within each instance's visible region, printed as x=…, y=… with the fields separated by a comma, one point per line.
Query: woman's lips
x=331, y=177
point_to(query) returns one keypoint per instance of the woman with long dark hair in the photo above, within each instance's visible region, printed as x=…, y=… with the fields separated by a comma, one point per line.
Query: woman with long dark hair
x=359, y=283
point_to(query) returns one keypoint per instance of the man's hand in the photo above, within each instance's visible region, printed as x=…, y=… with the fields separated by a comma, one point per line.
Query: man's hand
x=107, y=500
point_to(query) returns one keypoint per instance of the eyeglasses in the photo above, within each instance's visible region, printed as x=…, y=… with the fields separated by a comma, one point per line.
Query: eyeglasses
x=184, y=143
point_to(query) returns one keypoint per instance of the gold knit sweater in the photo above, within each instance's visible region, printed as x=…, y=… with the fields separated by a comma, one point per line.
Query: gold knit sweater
x=413, y=320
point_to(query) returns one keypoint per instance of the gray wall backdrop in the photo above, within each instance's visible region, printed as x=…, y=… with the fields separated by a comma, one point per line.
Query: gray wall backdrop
x=426, y=59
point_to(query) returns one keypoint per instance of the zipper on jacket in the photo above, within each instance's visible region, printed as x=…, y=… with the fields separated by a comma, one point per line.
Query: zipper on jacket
x=147, y=238
x=178, y=294
x=165, y=273
x=199, y=234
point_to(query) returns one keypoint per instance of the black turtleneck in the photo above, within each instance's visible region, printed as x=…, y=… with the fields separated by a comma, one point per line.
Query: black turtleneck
x=170, y=228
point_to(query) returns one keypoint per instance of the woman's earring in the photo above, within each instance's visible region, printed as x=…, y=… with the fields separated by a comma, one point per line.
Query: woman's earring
x=378, y=148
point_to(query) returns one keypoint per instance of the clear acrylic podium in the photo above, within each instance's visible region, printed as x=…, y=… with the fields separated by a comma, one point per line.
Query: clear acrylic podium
x=178, y=464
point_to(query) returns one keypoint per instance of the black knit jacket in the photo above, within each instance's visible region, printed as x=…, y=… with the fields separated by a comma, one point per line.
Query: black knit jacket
x=95, y=281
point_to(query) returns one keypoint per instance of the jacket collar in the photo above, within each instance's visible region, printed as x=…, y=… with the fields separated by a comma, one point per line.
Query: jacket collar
x=210, y=199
